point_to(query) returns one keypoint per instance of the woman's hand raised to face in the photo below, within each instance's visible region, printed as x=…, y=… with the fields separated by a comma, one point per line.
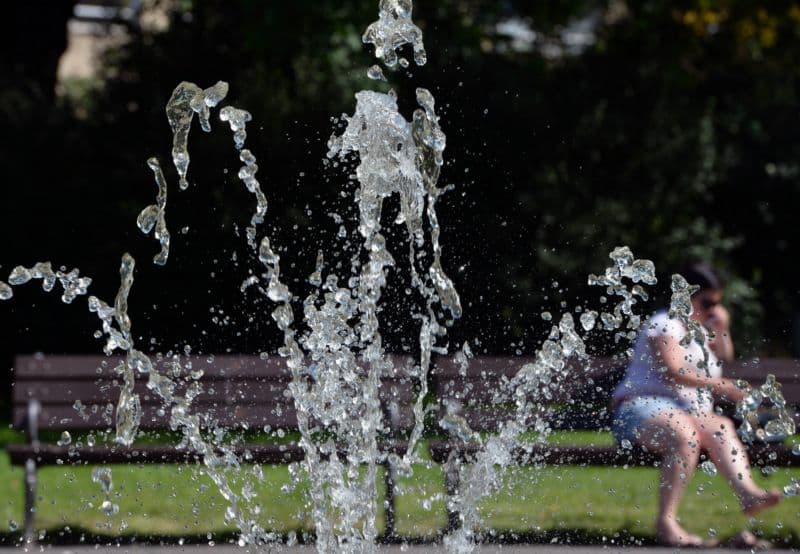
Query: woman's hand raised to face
x=718, y=320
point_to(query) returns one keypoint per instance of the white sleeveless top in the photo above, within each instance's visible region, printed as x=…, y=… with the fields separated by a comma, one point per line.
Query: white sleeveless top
x=646, y=373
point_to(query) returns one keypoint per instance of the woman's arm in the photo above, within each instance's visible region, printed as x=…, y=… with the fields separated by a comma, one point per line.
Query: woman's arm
x=673, y=356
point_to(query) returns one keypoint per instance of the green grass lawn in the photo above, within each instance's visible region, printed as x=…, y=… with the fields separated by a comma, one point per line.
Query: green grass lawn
x=175, y=501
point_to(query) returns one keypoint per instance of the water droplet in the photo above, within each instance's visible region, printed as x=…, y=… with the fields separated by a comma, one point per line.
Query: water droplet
x=109, y=508
x=215, y=94
x=793, y=488
x=65, y=439
x=752, y=400
x=265, y=253
x=708, y=468
x=277, y=291
x=778, y=429
x=12, y=525
x=458, y=427
x=588, y=319
x=315, y=279
x=6, y=292
x=139, y=361
x=102, y=476
x=376, y=73
x=19, y=276
x=237, y=120
x=147, y=218
x=180, y=113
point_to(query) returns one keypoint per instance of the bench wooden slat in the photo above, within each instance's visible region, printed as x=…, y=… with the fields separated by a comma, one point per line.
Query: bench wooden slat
x=87, y=366
x=760, y=454
x=250, y=391
x=60, y=418
x=40, y=366
x=237, y=390
x=48, y=454
x=783, y=368
x=62, y=391
x=257, y=416
x=485, y=376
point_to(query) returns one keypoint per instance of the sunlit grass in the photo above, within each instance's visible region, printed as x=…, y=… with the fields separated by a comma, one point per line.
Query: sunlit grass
x=173, y=500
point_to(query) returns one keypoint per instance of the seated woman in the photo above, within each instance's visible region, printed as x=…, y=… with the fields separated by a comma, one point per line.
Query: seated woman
x=665, y=403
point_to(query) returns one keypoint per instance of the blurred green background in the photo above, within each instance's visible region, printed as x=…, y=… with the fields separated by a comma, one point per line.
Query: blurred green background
x=573, y=127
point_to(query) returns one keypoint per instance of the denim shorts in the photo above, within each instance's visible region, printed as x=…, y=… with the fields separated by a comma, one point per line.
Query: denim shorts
x=631, y=414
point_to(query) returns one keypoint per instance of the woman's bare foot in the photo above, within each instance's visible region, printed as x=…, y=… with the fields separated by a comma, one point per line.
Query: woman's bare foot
x=749, y=541
x=669, y=533
x=756, y=503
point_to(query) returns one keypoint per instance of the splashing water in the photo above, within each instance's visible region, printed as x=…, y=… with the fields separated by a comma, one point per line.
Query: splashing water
x=102, y=476
x=154, y=215
x=681, y=309
x=393, y=30
x=237, y=119
x=337, y=359
x=529, y=390
x=187, y=100
x=65, y=439
x=376, y=73
x=116, y=325
x=777, y=429
x=353, y=361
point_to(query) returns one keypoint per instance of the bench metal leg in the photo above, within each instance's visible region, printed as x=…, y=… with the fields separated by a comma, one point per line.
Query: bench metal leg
x=388, y=478
x=30, y=501
x=452, y=482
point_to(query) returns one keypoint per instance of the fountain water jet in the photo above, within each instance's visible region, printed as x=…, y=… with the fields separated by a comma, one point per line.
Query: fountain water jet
x=343, y=342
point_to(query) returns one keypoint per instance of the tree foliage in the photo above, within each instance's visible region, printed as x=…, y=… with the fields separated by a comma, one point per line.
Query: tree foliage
x=673, y=130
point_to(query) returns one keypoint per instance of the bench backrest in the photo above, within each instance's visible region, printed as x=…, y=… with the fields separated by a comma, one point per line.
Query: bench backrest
x=245, y=390
x=471, y=392
x=581, y=401
x=237, y=390
x=755, y=371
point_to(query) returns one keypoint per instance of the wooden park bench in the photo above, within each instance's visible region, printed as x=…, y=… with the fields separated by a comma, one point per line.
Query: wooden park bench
x=239, y=392
x=579, y=402
x=244, y=391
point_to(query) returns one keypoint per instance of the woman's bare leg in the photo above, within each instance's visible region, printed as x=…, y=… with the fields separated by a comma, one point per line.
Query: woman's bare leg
x=674, y=436
x=718, y=437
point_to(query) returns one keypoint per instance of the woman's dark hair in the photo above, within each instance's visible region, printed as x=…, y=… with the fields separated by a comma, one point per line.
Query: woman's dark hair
x=702, y=275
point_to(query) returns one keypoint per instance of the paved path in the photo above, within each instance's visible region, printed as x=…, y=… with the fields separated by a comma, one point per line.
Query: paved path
x=415, y=549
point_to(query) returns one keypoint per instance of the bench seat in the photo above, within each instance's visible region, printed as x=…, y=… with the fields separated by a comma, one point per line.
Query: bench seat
x=760, y=454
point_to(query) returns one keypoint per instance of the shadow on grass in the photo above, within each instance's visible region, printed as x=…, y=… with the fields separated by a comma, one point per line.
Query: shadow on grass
x=75, y=536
